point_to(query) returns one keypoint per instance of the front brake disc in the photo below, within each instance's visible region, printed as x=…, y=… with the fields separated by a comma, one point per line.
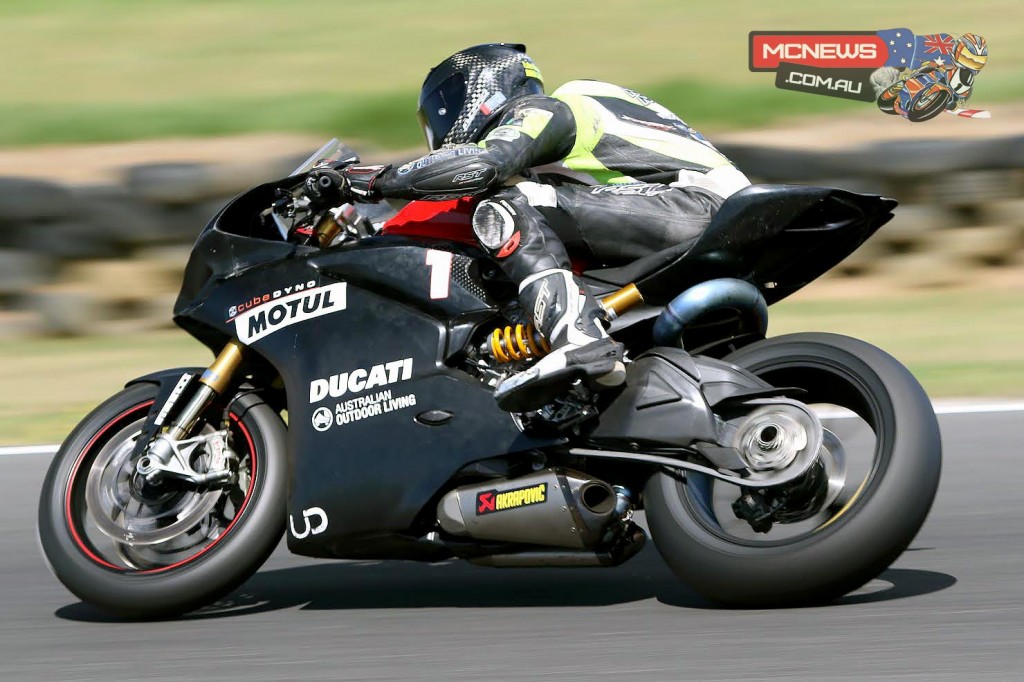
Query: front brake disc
x=124, y=515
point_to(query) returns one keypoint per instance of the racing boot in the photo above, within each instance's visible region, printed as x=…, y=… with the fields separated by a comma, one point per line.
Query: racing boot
x=567, y=316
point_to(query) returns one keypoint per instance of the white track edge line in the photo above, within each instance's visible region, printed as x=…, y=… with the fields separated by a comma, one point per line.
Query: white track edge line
x=941, y=407
x=29, y=450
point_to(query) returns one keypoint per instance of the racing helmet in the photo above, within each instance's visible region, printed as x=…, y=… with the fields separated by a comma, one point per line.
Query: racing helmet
x=971, y=52
x=463, y=95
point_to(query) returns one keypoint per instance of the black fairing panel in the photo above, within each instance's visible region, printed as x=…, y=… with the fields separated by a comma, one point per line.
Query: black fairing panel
x=778, y=237
x=397, y=267
x=661, y=405
x=374, y=468
x=668, y=400
x=234, y=242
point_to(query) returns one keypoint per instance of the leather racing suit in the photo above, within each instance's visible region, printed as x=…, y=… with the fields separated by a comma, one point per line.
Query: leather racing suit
x=606, y=171
x=595, y=167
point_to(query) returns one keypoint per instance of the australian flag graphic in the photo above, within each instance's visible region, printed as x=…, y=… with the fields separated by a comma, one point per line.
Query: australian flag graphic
x=907, y=51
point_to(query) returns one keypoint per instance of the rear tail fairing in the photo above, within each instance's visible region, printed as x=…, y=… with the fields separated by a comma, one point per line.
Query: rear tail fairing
x=777, y=237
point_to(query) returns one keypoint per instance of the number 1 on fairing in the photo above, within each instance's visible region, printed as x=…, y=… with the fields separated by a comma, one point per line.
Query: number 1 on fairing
x=440, y=264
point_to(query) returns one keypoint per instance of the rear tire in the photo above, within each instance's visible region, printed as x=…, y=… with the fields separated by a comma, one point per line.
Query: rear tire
x=863, y=537
x=227, y=561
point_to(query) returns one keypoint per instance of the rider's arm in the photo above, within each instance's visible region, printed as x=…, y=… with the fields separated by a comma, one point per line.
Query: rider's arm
x=534, y=131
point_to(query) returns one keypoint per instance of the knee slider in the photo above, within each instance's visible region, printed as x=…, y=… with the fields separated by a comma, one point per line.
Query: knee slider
x=493, y=223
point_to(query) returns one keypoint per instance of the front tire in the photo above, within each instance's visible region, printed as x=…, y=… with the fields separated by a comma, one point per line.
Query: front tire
x=136, y=583
x=874, y=526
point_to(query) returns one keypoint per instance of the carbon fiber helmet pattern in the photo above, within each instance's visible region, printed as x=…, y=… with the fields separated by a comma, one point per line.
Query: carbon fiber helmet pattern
x=463, y=95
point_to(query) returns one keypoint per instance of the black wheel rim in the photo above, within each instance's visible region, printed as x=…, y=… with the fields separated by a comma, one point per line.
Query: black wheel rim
x=828, y=384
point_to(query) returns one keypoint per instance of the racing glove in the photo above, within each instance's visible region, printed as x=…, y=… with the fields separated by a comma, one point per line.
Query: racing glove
x=328, y=186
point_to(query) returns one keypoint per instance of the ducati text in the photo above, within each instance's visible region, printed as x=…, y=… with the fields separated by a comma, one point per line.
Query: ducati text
x=359, y=380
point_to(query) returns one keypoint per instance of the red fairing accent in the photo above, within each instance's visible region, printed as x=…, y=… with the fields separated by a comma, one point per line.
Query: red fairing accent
x=579, y=265
x=451, y=220
x=510, y=246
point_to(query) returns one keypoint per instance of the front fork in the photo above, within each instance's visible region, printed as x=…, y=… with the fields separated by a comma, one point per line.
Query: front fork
x=212, y=383
x=169, y=453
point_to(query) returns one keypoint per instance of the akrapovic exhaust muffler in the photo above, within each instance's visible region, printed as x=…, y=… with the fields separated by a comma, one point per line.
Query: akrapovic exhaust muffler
x=554, y=507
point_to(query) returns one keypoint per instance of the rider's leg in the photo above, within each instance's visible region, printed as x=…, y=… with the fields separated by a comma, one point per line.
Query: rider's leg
x=620, y=223
x=517, y=235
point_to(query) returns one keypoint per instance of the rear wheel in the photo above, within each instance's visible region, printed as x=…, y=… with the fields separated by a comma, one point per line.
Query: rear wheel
x=831, y=541
x=887, y=100
x=142, y=551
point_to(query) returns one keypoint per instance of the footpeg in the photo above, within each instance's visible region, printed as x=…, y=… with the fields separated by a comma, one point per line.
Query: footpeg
x=599, y=364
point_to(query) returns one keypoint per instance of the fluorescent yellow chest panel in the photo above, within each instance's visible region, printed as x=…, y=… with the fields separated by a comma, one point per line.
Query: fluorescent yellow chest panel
x=622, y=136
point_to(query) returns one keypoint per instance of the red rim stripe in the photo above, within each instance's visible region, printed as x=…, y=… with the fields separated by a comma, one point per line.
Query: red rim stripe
x=85, y=451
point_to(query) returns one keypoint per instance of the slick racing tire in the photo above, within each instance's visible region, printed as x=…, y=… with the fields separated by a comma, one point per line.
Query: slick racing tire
x=236, y=525
x=870, y=526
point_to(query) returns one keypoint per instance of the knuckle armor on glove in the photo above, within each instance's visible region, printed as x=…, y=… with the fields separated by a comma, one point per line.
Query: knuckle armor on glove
x=493, y=223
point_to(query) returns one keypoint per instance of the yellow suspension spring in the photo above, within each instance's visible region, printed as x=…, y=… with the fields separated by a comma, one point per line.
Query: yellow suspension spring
x=518, y=343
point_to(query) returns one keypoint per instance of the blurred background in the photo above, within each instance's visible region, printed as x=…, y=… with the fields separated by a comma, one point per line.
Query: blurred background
x=124, y=126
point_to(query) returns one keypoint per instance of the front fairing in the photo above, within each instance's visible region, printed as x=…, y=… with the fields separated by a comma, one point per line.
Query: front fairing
x=234, y=242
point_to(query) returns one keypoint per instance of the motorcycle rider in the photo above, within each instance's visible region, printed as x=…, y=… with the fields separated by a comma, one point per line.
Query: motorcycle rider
x=600, y=168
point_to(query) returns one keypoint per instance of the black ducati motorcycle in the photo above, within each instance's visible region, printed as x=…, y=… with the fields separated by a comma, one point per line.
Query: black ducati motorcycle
x=350, y=406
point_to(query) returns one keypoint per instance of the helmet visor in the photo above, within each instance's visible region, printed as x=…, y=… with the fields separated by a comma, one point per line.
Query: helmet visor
x=440, y=108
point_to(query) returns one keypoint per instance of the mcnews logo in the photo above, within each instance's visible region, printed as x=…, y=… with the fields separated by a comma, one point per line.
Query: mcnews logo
x=914, y=76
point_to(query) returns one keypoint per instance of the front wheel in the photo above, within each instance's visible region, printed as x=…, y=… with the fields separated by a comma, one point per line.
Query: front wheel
x=926, y=103
x=140, y=551
x=812, y=554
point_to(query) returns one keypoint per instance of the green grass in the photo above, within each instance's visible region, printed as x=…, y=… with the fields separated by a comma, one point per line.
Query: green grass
x=957, y=344
x=48, y=385
x=103, y=70
x=385, y=121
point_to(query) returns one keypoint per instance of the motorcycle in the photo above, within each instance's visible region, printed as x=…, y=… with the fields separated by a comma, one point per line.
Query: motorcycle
x=927, y=92
x=350, y=405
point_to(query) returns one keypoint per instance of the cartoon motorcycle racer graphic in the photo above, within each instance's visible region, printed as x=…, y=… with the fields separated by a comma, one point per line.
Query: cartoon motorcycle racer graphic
x=940, y=82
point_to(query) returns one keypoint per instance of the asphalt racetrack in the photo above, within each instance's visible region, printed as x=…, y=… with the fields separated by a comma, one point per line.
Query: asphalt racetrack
x=951, y=608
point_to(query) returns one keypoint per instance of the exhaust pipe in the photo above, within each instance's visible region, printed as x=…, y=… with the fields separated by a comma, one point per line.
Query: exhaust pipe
x=624, y=549
x=554, y=507
x=597, y=497
x=715, y=294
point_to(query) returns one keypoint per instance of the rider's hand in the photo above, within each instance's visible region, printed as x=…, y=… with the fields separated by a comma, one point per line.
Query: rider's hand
x=326, y=187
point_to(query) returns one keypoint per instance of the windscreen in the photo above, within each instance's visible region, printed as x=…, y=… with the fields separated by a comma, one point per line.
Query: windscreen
x=332, y=152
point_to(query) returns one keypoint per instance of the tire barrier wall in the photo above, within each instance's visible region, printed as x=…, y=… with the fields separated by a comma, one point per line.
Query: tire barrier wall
x=108, y=258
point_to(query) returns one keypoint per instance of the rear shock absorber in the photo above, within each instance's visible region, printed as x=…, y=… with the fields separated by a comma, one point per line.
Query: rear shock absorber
x=522, y=341
x=519, y=342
